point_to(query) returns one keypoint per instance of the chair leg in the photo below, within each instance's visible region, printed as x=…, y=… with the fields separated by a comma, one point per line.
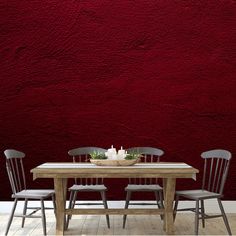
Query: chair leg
x=128, y=196
x=159, y=199
x=11, y=216
x=24, y=213
x=43, y=218
x=197, y=217
x=203, y=213
x=70, y=206
x=176, y=206
x=74, y=201
x=224, y=216
x=103, y=195
x=54, y=204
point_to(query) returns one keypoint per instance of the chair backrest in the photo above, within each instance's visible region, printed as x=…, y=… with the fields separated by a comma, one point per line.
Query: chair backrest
x=149, y=154
x=81, y=154
x=216, y=166
x=15, y=169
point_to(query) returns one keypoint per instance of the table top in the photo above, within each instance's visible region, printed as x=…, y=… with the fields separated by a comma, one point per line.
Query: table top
x=85, y=170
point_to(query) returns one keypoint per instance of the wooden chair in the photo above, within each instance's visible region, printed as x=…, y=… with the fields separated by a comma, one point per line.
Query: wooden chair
x=86, y=184
x=149, y=154
x=216, y=165
x=16, y=174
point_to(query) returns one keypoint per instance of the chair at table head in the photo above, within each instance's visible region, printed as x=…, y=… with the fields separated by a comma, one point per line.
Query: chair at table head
x=15, y=170
x=216, y=165
x=16, y=174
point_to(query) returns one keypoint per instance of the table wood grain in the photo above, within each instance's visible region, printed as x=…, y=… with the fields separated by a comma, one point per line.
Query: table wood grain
x=61, y=172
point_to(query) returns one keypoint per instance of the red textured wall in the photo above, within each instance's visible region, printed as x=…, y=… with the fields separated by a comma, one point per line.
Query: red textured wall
x=132, y=73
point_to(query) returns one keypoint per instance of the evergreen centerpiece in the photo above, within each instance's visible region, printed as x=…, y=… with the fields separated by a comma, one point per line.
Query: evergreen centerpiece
x=113, y=158
x=96, y=155
x=133, y=155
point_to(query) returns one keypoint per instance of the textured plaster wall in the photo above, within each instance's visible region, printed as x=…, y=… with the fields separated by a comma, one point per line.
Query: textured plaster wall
x=132, y=73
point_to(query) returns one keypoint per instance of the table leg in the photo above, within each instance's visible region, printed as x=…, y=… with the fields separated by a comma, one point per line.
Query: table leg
x=169, y=193
x=60, y=186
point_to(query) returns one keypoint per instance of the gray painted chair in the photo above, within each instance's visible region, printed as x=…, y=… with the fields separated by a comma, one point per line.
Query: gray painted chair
x=149, y=154
x=86, y=184
x=216, y=165
x=16, y=174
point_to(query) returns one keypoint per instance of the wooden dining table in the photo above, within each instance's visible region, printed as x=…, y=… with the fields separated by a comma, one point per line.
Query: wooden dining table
x=167, y=171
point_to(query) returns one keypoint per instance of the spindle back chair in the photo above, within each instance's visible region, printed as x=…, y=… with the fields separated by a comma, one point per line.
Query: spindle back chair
x=15, y=170
x=16, y=175
x=215, y=172
x=148, y=155
x=82, y=154
x=216, y=167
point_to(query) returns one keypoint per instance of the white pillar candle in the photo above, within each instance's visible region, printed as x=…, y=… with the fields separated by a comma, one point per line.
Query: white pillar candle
x=111, y=153
x=121, y=153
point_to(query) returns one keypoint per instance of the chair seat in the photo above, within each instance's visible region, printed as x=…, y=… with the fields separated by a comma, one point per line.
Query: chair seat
x=197, y=194
x=143, y=187
x=85, y=188
x=34, y=193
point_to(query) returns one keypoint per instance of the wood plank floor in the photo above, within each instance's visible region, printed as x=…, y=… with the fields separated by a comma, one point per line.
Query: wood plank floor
x=136, y=225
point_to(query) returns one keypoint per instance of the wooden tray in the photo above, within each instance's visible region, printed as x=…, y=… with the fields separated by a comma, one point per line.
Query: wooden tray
x=114, y=162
